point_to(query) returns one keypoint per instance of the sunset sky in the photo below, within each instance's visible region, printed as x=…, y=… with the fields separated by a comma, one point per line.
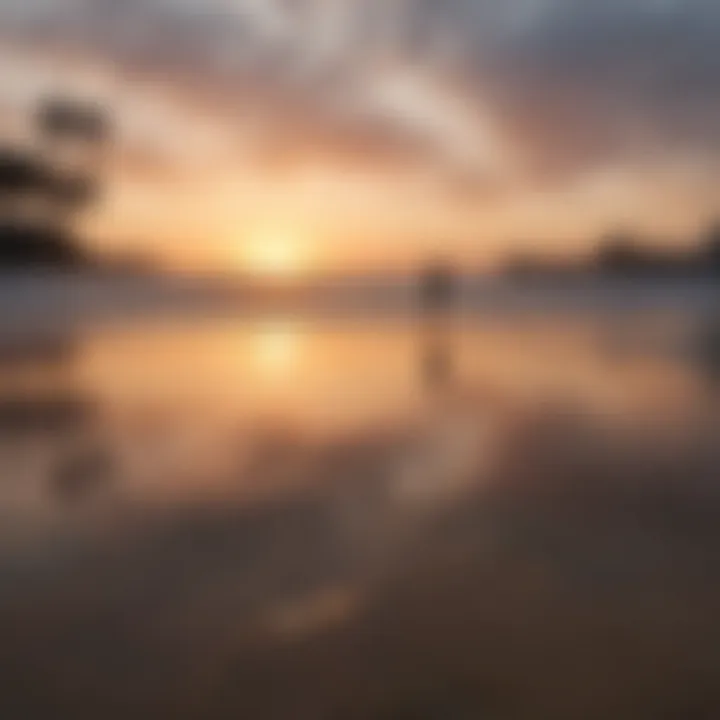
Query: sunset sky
x=301, y=136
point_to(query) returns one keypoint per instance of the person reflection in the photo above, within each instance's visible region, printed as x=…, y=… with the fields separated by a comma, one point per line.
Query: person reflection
x=437, y=302
x=437, y=362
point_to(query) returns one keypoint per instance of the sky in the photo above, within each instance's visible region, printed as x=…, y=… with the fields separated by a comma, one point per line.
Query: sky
x=300, y=136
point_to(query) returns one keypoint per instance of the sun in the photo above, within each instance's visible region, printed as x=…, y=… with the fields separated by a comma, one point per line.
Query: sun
x=274, y=255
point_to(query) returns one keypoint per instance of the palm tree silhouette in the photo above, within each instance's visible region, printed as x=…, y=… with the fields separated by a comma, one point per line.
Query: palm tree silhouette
x=43, y=191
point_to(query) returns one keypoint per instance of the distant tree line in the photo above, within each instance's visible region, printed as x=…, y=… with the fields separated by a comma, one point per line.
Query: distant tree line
x=625, y=255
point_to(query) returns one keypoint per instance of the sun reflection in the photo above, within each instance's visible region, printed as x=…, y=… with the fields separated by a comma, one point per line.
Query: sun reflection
x=276, y=348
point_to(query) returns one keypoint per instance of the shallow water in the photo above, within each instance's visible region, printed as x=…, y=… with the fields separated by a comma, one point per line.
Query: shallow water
x=487, y=516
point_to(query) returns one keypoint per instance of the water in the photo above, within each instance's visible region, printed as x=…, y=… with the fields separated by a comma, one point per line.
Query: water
x=328, y=516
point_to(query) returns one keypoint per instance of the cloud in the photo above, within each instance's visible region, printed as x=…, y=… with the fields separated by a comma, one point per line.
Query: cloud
x=553, y=88
x=618, y=80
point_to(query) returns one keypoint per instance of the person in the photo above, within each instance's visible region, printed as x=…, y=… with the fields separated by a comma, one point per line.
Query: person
x=438, y=288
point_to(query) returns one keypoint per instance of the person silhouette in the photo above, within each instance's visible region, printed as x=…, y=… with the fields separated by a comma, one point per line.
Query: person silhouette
x=438, y=288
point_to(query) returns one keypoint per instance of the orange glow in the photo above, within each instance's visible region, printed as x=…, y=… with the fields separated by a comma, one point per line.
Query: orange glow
x=272, y=254
x=275, y=349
